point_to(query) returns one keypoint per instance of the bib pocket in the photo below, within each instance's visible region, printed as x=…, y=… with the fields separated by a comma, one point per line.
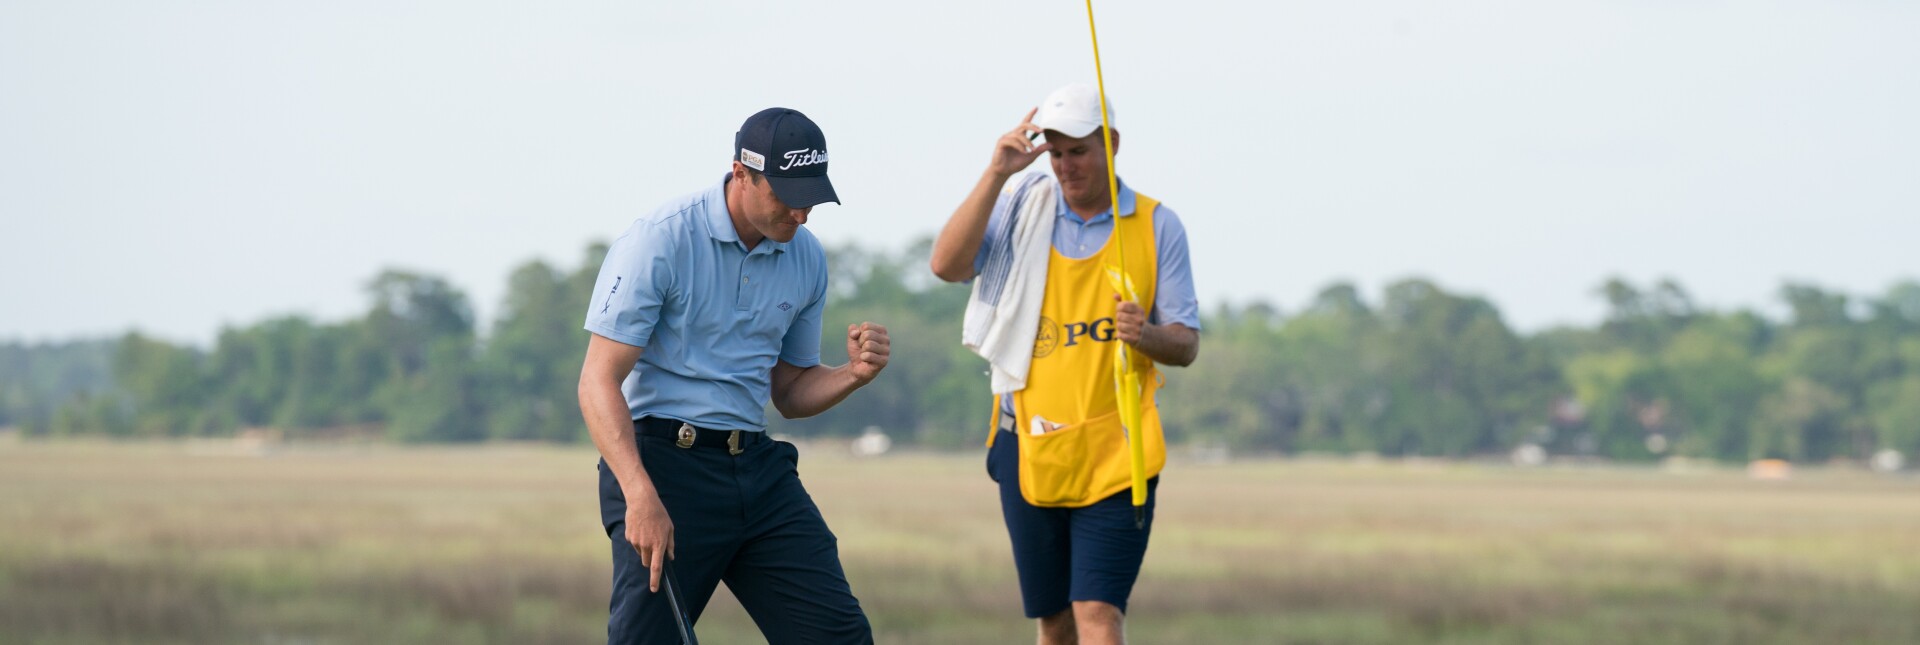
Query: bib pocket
x=1074, y=465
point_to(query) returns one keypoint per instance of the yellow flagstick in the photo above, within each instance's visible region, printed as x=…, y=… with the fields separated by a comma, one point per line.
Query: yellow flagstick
x=1126, y=379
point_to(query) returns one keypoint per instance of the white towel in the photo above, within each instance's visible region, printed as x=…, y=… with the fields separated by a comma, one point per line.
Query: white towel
x=1003, y=314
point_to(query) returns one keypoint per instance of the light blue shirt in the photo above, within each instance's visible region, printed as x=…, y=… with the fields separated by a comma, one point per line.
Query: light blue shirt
x=1173, y=296
x=712, y=316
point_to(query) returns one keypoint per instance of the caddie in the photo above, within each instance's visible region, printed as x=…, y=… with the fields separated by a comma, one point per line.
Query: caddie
x=1044, y=313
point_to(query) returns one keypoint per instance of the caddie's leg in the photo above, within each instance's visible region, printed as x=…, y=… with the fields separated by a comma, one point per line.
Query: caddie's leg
x=1042, y=552
x=1098, y=623
x=1107, y=552
x=1059, y=629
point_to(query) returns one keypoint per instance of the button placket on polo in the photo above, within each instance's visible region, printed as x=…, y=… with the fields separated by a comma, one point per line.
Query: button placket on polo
x=755, y=272
x=743, y=292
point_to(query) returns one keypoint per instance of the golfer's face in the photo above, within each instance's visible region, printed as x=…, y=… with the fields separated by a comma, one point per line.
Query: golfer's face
x=1080, y=165
x=772, y=217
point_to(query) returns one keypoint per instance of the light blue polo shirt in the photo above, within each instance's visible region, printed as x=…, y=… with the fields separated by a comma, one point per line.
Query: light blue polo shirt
x=712, y=316
x=1173, y=297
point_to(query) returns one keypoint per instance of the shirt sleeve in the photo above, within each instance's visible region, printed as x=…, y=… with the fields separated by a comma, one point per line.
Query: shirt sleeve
x=636, y=277
x=998, y=233
x=1173, y=297
x=801, y=346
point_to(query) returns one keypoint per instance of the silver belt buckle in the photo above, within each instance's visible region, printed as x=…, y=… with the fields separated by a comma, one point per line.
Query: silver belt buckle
x=686, y=436
x=733, y=443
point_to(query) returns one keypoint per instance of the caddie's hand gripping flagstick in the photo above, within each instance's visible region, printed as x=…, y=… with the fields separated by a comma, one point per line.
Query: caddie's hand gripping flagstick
x=680, y=619
x=1126, y=370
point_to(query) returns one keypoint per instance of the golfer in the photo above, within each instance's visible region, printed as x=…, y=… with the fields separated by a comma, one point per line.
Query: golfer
x=1044, y=313
x=706, y=309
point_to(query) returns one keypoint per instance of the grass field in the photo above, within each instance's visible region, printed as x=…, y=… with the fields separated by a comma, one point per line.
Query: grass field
x=157, y=543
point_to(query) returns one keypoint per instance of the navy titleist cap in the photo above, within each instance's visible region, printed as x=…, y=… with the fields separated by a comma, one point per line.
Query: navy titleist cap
x=791, y=151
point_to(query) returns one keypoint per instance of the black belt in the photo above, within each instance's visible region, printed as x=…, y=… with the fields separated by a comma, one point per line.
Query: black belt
x=686, y=435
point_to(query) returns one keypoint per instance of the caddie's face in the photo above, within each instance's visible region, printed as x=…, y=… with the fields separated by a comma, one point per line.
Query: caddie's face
x=767, y=214
x=1080, y=165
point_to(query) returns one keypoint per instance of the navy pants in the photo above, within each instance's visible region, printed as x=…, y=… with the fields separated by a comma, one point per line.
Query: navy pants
x=745, y=520
x=1069, y=554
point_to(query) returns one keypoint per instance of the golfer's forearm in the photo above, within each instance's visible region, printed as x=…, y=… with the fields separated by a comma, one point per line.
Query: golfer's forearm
x=816, y=390
x=959, y=241
x=1174, y=344
x=608, y=423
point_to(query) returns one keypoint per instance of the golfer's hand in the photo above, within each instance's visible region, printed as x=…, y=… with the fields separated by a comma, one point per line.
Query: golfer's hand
x=1016, y=150
x=1128, y=320
x=651, y=532
x=867, y=350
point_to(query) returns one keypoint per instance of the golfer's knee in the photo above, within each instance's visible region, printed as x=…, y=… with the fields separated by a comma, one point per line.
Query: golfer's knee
x=1059, y=629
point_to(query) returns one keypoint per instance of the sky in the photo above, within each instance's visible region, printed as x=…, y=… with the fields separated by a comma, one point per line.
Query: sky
x=176, y=167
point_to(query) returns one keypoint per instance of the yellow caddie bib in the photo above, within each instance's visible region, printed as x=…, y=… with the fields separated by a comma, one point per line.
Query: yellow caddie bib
x=1079, y=455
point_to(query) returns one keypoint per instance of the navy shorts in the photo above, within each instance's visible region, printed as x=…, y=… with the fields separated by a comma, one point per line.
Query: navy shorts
x=744, y=520
x=1069, y=554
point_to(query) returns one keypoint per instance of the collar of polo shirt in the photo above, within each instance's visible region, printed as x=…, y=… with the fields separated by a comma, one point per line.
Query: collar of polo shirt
x=720, y=222
x=1126, y=204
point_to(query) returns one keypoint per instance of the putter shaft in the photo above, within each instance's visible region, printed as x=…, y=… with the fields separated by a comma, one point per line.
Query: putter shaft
x=680, y=619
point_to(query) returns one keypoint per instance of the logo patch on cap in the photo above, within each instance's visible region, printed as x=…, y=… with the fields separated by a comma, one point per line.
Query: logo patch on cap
x=804, y=157
x=753, y=160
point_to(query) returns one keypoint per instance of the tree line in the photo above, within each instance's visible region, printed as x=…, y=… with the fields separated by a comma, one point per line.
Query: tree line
x=1416, y=370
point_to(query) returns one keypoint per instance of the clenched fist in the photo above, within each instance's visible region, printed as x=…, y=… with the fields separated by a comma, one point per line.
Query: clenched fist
x=867, y=350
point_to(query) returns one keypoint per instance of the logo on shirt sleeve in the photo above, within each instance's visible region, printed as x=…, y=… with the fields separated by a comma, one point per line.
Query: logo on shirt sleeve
x=610, y=292
x=785, y=306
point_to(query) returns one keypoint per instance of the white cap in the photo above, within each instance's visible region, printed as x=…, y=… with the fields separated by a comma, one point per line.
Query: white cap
x=1074, y=111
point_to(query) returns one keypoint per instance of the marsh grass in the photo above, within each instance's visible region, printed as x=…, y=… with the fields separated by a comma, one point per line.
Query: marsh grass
x=152, y=543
